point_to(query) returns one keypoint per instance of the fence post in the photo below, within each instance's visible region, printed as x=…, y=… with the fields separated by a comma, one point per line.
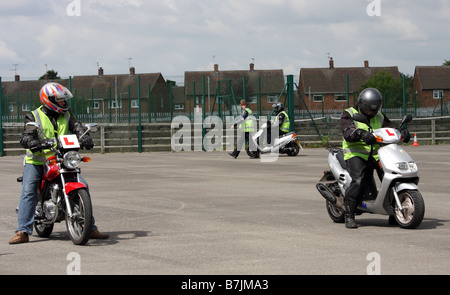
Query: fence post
x=1, y=119
x=139, y=116
x=290, y=89
x=433, y=131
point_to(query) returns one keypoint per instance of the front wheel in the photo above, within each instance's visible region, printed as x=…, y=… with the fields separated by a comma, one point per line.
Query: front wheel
x=413, y=209
x=79, y=225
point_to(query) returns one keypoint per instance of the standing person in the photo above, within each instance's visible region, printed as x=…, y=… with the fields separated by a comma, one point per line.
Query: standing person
x=360, y=148
x=246, y=123
x=55, y=119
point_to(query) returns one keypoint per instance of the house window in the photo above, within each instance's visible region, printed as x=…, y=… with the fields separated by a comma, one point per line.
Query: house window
x=437, y=94
x=26, y=107
x=272, y=98
x=318, y=98
x=179, y=107
x=134, y=104
x=340, y=97
x=116, y=104
x=96, y=104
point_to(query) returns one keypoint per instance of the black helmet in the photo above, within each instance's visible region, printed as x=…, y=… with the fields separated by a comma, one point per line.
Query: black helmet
x=369, y=102
x=278, y=107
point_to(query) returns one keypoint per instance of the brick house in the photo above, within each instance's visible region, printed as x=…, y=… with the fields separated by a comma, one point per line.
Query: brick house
x=226, y=88
x=431, y=82
x=328, y=86
x=94, y=92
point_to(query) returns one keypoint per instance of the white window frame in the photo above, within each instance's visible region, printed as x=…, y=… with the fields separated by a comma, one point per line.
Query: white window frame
x=336, y=97
x=437, y=94
x=318, y=98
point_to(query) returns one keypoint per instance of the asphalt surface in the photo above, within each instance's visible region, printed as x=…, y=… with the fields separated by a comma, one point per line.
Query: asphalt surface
x=205, y=213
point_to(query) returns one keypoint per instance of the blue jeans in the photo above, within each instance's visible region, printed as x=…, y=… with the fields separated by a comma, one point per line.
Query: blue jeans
x=32, y=177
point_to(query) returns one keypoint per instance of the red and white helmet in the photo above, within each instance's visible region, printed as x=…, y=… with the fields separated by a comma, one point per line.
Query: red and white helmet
x=51, y=94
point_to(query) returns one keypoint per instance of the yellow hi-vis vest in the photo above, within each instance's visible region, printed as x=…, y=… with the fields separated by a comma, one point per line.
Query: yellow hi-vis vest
x=46, y=128
x=249, y=124
x=360, y=148
x=286, y=124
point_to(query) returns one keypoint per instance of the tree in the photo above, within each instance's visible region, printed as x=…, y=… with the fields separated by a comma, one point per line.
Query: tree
x=390, y=87
x=446, y=63
x=51, y=75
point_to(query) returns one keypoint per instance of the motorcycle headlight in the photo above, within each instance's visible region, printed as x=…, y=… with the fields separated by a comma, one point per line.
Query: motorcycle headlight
x=72, y=160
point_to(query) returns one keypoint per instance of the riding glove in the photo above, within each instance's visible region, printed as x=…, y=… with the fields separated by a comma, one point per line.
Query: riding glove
x=367, y=136
x=87, y=142
x=405, y=134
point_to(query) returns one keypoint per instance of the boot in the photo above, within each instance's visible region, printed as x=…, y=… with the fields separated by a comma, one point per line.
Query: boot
x=350, y=218
x=234, y=154
x=95, y=234
x=19, y=238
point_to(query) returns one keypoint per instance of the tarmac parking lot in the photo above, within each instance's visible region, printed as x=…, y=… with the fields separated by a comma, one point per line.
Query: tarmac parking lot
x=205, y=213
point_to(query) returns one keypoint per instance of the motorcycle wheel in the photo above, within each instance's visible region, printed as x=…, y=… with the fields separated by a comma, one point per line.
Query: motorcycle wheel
x=79, y=226
x=414, y=209
x=250, y=153
x=295, y=151
x=336, y=214
x=44, y=231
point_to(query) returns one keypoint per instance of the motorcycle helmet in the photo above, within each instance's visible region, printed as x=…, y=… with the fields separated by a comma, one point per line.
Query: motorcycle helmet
x=52, y=94
x=278, y=107
x=369, y=102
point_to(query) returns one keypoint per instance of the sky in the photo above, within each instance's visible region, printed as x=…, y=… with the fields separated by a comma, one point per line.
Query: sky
x=75, y=37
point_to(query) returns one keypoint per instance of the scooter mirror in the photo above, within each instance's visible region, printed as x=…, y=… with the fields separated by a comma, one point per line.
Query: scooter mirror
x=408, y=118
x=30, y=126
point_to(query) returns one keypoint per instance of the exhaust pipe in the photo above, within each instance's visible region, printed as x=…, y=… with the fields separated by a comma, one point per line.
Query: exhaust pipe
x=326, y=193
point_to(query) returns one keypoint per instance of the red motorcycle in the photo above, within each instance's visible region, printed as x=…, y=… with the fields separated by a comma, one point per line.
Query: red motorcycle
x=61, y=195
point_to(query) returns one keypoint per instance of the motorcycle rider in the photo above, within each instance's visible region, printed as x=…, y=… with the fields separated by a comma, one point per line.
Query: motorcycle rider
x=246, y=123
x=55, y=119
x=360, y=148
x=281, y=122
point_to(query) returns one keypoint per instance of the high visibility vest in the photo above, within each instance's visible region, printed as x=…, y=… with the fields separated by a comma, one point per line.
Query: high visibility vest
x=360, y=148
x=46, y=130
x=249, y=124
x=286, y=124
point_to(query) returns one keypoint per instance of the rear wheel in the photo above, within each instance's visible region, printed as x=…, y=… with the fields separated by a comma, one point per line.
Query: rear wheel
x=294, y=149
x=79, y=225
x=44, y=231
x=335, y=213
x=413, y=209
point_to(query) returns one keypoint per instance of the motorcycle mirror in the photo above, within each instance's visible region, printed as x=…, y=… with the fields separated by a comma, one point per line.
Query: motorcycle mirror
x=30, y=126
x=92, y=127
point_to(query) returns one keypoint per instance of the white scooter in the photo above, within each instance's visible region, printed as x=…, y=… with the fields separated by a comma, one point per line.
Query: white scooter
x=398, y=196
x=288, y=144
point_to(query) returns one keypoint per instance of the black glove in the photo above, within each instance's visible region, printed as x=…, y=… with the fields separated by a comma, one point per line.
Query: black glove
x=405, y=134
x=34, y=145
x=367, y=136
x=86, y=142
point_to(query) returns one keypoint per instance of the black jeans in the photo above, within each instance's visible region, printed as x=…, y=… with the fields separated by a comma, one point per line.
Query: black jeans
x=361, y=172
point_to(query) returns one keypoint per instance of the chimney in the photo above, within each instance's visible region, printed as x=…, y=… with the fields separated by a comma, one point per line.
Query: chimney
x=216, y=68
x=17, y=78
x=366, y=63
x=252, y=67
x=331, y=63
x=100, y=72
x=132, y=71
